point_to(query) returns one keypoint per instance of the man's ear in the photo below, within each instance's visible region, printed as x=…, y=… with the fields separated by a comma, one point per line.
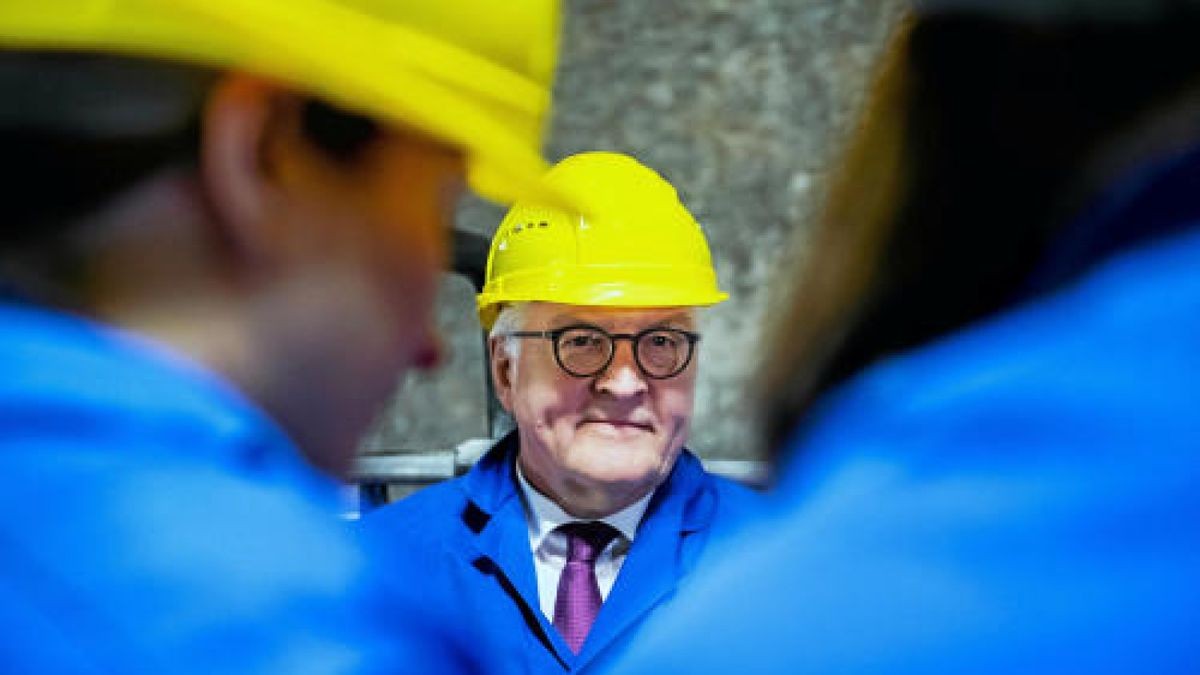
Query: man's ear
x=502, y=365
x=237, y=120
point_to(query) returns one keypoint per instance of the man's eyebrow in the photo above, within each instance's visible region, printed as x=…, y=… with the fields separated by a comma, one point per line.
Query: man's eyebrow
x=568, y=319
x=680, y=318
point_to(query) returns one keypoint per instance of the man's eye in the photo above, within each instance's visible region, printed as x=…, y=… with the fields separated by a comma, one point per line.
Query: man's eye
x=662, y=340
x=581, y=341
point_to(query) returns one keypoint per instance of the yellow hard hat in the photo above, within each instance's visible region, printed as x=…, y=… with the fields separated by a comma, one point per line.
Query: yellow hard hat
x=637, y=247
x=475, y=74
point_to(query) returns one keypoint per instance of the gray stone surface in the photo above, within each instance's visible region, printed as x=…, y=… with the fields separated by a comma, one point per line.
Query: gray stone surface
x=742, y=104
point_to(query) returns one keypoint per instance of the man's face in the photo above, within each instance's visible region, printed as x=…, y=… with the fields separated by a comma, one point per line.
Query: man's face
x=595, y=444
x=356, y=312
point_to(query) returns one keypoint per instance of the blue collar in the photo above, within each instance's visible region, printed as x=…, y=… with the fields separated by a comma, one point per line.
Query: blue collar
x=498, y=535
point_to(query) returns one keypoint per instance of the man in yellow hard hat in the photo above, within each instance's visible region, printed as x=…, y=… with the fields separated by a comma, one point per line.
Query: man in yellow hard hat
x=222, y=225
x=573, y=528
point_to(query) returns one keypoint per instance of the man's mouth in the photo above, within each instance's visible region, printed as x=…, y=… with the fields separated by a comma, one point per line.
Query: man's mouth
x=621, y=425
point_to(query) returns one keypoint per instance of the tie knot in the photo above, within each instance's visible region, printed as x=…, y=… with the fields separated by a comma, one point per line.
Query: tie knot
x=585, y=541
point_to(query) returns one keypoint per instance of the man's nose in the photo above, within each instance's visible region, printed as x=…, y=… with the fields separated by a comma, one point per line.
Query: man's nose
x=623, y=377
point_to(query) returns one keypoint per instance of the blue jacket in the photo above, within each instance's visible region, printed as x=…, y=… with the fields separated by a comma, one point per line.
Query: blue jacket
x=1021, y=497
x=463, y=571
x=152, y=521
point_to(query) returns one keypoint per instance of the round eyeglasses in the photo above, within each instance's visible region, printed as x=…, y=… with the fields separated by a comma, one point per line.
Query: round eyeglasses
x=586, y=351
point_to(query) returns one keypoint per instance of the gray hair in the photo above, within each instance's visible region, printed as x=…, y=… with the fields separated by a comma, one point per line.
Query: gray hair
x=510, y=320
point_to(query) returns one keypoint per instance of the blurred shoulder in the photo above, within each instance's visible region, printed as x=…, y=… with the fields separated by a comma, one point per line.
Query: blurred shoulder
x=147, y=563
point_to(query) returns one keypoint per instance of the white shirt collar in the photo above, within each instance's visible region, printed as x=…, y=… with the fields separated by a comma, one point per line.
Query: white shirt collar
x=544, y=515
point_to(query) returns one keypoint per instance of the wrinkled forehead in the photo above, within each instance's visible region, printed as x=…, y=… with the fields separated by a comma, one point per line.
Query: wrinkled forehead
x=548, y=315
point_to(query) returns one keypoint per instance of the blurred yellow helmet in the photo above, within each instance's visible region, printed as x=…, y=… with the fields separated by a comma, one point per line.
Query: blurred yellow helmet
x=637, y=247
x=475, y=74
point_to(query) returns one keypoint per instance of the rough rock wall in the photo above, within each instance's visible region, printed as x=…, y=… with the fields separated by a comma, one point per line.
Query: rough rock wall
x=742, y=105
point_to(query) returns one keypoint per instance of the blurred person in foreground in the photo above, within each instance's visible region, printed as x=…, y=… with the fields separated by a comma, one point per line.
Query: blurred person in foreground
x=222, y=227
x=578, y=525
x=986, y=387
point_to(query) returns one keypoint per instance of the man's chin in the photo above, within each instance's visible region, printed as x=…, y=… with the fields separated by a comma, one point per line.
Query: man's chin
x=637, y=476
x=603, y=494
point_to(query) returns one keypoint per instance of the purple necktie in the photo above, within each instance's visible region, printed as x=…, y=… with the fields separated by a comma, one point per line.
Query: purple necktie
x=578, y=600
